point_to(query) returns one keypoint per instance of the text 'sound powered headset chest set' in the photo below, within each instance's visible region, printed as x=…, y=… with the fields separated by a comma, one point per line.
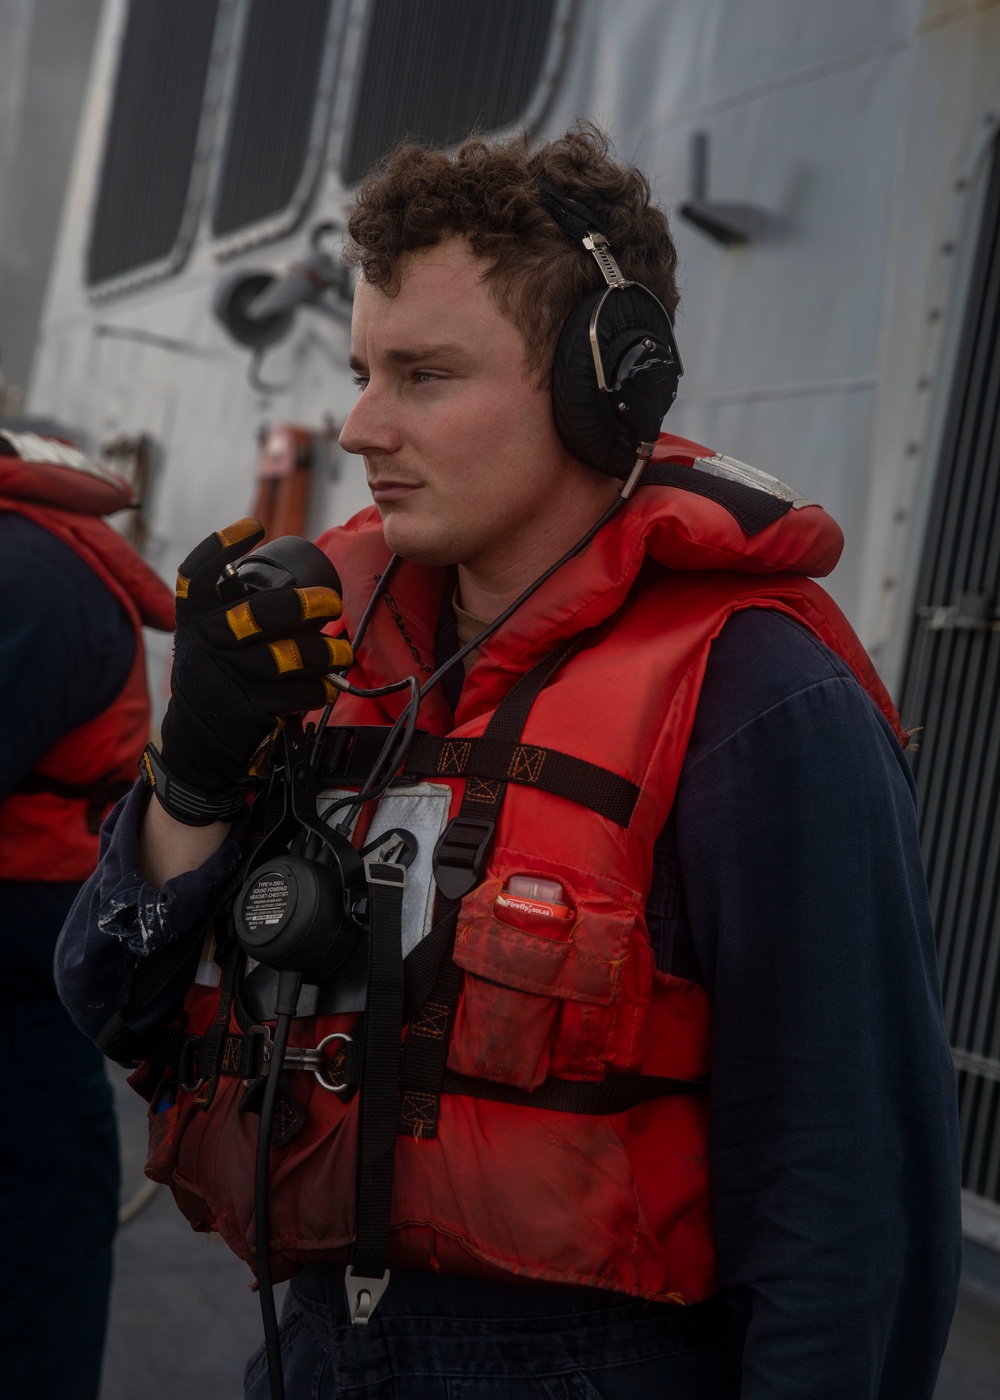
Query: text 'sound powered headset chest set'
x=310, y=902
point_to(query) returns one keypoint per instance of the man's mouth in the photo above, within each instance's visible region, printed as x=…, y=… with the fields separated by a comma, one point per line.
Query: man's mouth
x=384, y=489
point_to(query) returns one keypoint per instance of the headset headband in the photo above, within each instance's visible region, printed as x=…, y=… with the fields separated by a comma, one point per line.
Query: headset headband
x=582, y=226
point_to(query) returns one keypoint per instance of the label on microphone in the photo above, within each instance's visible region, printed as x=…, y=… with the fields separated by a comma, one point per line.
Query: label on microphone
x=266, y=902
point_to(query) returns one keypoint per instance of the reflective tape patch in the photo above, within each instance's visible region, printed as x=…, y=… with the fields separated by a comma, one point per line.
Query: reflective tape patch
x=241, y=621
x=318, y=602
x=240, y=530
x=340, y=651
x=286, y=655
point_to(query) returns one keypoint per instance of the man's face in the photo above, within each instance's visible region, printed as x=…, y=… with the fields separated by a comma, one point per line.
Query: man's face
x=462, y=456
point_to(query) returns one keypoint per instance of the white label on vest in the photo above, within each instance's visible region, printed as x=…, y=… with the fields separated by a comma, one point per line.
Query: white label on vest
x=732, y=470
x=31, y=447
x=421, y=809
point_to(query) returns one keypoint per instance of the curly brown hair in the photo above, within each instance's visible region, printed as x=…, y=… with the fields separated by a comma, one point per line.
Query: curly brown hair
x=486, y=192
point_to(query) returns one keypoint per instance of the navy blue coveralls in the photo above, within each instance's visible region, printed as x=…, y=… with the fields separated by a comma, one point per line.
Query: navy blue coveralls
x=789, y=881
x=66, y=647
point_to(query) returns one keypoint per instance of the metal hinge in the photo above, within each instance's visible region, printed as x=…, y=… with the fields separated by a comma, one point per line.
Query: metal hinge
x=975, y=612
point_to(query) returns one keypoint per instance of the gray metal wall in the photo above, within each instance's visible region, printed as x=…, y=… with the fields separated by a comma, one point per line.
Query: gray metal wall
x=45, y=48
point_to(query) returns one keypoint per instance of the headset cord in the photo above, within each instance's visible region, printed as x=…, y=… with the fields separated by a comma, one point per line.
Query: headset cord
x=533, y=587
x=393, y=755
x=359, y=637
x=460, y=655
x=289, y=986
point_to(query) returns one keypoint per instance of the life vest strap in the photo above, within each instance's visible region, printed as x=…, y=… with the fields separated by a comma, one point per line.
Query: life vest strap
x=99, y=796
x=243, y=1058
x=348, y=754
x=383, y=1018
x=613, y=1094
x=459, y=862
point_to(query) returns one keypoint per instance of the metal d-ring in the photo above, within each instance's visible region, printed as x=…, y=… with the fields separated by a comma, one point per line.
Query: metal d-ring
x=312, y=1059
x=321, y=1074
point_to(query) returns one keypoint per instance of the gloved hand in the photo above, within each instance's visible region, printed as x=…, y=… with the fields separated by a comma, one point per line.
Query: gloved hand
x=238, y=667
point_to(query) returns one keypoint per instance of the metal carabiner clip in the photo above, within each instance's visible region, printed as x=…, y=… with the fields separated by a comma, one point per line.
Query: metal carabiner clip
x=312, y=1058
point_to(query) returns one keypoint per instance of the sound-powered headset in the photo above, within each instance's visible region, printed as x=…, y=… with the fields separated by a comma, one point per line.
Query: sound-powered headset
x=616, y=365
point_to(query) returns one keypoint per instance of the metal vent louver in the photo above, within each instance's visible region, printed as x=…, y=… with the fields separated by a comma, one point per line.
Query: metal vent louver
x=143, y=212
x=952, y=690
x=435, y=69
x=273, y=135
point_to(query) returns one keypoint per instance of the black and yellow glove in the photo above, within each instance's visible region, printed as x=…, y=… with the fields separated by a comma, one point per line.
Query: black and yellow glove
x=238, y=668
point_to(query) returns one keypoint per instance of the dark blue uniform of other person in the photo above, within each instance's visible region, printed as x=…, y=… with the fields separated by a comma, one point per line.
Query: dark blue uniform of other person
x=58, y=1138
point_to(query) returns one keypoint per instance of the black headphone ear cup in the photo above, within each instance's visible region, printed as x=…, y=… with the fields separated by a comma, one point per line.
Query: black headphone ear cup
x=587, y=417
x=584, y=417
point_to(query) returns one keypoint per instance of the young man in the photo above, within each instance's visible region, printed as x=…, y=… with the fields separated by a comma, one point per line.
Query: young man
x=675, y=1105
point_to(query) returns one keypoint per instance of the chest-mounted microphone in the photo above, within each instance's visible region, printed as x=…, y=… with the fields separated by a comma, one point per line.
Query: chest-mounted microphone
x=616, y=366
x=304, y=910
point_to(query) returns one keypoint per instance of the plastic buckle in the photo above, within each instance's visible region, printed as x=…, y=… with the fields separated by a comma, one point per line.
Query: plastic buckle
x=259, y=1031
x=363, y=1294
x=460, y=855
x=392, y=851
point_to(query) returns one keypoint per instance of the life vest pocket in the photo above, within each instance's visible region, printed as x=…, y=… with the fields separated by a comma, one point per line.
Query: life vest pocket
x=540, y=994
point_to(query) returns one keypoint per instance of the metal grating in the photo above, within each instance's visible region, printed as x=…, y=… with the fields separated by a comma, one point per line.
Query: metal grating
x=952, y=690
x=271, y=124
x=149, y=153
x=435, y=69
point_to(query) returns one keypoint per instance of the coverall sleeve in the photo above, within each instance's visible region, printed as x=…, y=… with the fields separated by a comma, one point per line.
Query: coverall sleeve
x=834, y=1143
x=117, y=919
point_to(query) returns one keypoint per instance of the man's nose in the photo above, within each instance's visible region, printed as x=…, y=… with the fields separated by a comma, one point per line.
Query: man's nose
x=370, y=426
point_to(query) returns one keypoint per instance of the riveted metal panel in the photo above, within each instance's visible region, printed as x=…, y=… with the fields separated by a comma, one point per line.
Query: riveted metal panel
x=952, y=690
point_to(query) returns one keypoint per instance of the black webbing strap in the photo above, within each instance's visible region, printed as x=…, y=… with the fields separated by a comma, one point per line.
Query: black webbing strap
x=379, y=1095
x=614, y=1094
x=212, y=1045
x=422, y=965
x=753, y=509
x=425, y=1049
x=289, y=1115
x=459, y=860
x=243, y=1057
x=348, y=755
x=463, y=849
x=587, y=784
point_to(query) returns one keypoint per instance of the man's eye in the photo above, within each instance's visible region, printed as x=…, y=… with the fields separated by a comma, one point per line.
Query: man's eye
x=360, y=381
x=425, y=376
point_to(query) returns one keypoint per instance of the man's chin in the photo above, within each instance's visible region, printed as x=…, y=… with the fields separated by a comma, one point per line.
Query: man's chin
x=420, y=545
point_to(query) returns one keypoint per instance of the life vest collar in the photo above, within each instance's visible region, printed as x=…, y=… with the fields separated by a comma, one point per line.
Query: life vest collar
x=54, y=472
x=675, y=528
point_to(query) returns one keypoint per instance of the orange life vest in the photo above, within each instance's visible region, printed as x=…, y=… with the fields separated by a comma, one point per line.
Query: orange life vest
x=616, y=1200
x=48, y=831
